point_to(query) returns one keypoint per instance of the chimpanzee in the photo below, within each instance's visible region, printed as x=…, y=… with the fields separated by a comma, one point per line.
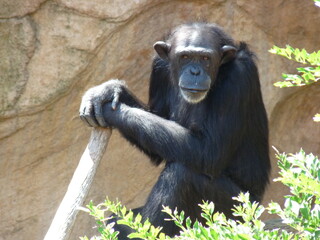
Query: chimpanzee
x=205, y=118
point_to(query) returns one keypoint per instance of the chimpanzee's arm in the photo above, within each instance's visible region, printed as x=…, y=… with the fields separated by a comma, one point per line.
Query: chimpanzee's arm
x=157, y=135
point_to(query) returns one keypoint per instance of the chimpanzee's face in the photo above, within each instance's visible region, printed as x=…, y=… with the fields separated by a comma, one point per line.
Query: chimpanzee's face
x=195, y=56
x=196, y=63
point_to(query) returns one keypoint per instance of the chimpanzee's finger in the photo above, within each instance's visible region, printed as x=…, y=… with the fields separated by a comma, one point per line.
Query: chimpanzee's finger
x=115, y=101
x=88, y=116
x=81, y=114
x=99, y=115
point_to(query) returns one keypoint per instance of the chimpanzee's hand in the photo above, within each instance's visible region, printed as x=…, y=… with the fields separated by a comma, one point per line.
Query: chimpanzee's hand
x=93, y=100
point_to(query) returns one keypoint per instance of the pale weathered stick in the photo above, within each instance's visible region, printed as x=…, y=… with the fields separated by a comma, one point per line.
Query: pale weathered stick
x=79, y=186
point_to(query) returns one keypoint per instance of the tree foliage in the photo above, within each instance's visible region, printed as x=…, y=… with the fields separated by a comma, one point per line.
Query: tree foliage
x=301, y=211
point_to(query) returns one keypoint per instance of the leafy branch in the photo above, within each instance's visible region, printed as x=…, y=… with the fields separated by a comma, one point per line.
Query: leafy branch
x=307, y=75
x=301, y=173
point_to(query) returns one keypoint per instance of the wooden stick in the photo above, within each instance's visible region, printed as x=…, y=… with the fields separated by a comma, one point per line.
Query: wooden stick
x=79, y=186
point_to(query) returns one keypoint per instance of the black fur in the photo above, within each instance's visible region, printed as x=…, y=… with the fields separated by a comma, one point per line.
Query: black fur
x=212, y=149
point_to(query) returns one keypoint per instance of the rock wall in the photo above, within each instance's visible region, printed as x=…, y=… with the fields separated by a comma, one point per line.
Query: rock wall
x=52, y=51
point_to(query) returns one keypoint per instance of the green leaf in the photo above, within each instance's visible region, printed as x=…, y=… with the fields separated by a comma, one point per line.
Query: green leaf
x=204, y=233
x=243, y=236
x=305, y=212
x=316, y=118
x=135, y=235
x=138, y=218
x=123, y=210
x=188, y=222
x=162, y=236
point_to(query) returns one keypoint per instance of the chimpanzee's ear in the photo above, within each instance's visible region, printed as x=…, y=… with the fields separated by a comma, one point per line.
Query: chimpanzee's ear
x=228, y=53
x=162, y=48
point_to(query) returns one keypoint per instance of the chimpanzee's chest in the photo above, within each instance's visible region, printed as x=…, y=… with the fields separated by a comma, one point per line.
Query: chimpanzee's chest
x=190, y=116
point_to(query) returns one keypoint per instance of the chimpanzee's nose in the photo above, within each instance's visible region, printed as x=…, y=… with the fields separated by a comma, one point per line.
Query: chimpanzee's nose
x=195, y=70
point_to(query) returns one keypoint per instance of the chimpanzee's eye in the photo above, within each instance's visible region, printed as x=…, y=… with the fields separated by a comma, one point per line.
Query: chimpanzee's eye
x=184, y=56
x=205, y=58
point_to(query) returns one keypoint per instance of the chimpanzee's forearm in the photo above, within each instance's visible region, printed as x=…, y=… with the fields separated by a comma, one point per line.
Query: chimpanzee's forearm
x=155, y=135
x=128, y=98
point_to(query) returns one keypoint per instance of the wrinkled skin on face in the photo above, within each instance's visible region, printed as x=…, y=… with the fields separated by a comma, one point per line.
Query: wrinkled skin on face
x=195, y=56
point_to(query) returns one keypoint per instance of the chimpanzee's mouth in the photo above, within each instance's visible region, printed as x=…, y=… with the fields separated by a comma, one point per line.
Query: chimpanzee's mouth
x=193, y=95
x=194, y=90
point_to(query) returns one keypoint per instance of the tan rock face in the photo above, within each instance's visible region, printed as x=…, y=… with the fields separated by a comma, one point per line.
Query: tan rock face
x=292, y=128
x=52, y=51
x=17, y=8
x=17, y=46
